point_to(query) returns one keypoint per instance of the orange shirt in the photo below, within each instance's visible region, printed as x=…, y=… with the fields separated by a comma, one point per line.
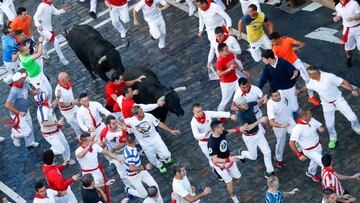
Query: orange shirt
x=285, y=49
x=24, y=25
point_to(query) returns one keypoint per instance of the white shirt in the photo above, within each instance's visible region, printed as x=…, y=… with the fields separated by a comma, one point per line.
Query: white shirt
x=351, y=9
x=113, y=139
x=84, y=118
x=43, y=15
x=306, y=136
x=46, y=113
x=182, y=188
x=90, y=160
x=326, y=87
x=279, y=111
x=213, y=17
x=51, y=194
x=144, y=130
x=246, y=3
x=254, y=94
x=151, y=14
x=201, y=130
x=231, y=43
x=144, y=107
x=67, y=96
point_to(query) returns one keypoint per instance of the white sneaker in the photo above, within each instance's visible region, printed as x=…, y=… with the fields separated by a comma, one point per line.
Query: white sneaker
x=2, y=139
x=71, y=162
x=33, y=144
x=45, y=55
x=64, y=61
x=16, y=142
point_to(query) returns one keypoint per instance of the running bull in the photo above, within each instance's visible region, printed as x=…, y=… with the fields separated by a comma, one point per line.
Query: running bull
x=97, y=54
x=151, y=90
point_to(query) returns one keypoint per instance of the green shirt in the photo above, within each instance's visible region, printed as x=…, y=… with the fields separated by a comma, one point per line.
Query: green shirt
x=32, y=68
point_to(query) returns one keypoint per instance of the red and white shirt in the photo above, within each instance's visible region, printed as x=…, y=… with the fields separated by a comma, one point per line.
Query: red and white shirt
x=50, y=198
x=223, y=63
x=305, y=134
x=113, y=139
x=90, y=160
x=125, y=104
x=330, y=180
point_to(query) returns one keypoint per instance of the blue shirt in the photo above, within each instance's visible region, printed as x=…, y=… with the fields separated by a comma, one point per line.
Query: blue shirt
x=8, y=42
x=274, y=197
x=26, y=41
x=132, y=157
x=278, y=77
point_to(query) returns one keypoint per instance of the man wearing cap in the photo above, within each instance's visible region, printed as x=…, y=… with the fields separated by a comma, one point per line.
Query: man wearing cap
x=255, y=137
x=18, y=105
x=144, y=126
x=50, y=127
x=326, y=85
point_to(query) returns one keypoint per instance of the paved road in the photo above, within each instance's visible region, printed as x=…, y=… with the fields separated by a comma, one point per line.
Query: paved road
x=184, y=64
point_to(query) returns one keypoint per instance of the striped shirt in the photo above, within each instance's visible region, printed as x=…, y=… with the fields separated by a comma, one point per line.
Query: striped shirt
x=132, y=157
x=274, y=197
x=330, y=180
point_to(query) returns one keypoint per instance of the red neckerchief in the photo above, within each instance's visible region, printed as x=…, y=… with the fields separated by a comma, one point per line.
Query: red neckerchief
x=43, y=104
x=208, y=5
x=226, y=35
x=149, y=3
x=344, y=4
x=15, y=84
x=52, y=38
x=67, y=87
x=21, y=43
x=328, y=169
x=40, y=197
x=201, y=120
x=299, y=121
x=46, y=1
x=247, y=91
x=83, y=146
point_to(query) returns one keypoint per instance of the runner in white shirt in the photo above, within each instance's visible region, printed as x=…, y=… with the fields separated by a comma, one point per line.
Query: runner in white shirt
x=87, y=156
x=7, y=7
x=305, y=135
x=144, y=126
x=67, y=103
x=93, y=4
x=50, y=127
x=280, y=118
x=185, y=192
x=42, y=20
x=251, y=93
x=152, y=14
x=44, y=195
x=88, y=116
x=326, y=85
x=246, y=3
x=211, y=15
x=349, y=11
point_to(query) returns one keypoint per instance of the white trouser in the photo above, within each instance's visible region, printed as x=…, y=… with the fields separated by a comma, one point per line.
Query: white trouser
x=59, y=144
x=290, y=95
x=98, y=176
x=40, y=81
x=255, y=141
x=280, y=134
x=298, y=64
x=353, y=39
x=137, y=183
x=7, y=7
x=211, y=35
x=47, y=35
x=255, y=51
x=191, y=5
x=69, y=197
x=227, y=92
x=25, y=129
x=120, y=167
x=97, y=132
x=204, y=148
x=119, y=16
x=228, y=174
x=158, y=31
x=315, y=156
x=12, y=67
x=92, y=5
x=40, y=61
x=157, y=147
x=344, y=108
x=70, y=116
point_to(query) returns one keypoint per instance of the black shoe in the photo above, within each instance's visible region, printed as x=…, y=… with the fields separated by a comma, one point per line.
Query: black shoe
x=348, y=62
x=93, y=15
x=267, y=175
x=217, y=175
x=242, y=160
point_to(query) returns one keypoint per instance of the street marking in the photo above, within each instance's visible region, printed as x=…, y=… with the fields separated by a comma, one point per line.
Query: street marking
x=89, y=20
x=311, y=7
x=10, y=193
x=325, y=34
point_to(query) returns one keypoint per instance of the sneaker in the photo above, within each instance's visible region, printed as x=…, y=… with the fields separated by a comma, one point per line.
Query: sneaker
x=163, y=49
x=128, y=194
x=45, y=55
x=315, y=178
x=162, y=169
x=348, y=62
x=2, y=139
x=217, y=175
x=168, y=160
x=93, y=15
x=243, y=159
x=314, y=101
x=64, y=61
x=123, y=35
x=332, y=144
x=267, y=175
x=279, y=164
x=33, y=144
x=71, y=162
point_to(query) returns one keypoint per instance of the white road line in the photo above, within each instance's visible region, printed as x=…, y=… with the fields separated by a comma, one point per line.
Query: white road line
x=311, y=7
x=10, y=193
x=89, y=20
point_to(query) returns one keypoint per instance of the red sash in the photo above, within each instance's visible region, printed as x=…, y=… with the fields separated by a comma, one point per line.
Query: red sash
x=52, y=38
x=224, y=167
x=346, y=34
x=15, y=122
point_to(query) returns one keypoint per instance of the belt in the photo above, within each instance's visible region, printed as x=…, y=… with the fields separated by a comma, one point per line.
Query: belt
x=52, y=132
x=67, y=108
x=204, y=140
x=133, y=174
x=313, y=147
x=224, y=167
x=251, y=134
x=89, y=170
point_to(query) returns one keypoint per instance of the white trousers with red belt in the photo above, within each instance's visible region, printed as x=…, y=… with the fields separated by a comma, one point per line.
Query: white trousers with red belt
x=157, y=29
x=154, y=149
x=341, y=105
x=315, y=159
x=227, y=92
x=138, y=186
x=353, y=39
x=119, y=17
x=59, y=144
x=290, y=95
x=98, y=176
x=70, y=116
x=280, y=134
x=228, y=172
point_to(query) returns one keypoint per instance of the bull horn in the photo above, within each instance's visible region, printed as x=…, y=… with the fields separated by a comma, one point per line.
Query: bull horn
x=162, y=98
x=179, y=89
x=123, y=46
x=102, y=59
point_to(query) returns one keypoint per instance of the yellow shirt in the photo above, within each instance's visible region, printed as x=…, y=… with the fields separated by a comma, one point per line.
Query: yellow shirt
x=254, y=27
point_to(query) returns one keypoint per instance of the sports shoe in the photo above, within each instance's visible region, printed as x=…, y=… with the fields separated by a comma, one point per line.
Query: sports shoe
x=33, y=144
x=162, y=169
x=267, y=175
x=2, y=139
x=123, y=34
x=93, y=15
x=64, y=61
x=168, y=160
x=243, y=159
x=348, y=62
x=71, y=162
x=279, y=164
x=128, y=194
x=332, y=144
x=217, y=175
x=314, y=101
x=45, y=55
x=315, y=178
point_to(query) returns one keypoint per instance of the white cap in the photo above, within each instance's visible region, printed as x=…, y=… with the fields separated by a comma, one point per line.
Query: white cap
x=240, y=100
x=17, y=76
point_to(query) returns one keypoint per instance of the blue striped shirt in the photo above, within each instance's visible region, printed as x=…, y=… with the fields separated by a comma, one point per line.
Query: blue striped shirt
x=274, y=197
x=132, y=157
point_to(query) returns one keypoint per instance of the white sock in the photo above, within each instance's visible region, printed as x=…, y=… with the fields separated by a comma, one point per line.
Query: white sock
x=235, y=199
